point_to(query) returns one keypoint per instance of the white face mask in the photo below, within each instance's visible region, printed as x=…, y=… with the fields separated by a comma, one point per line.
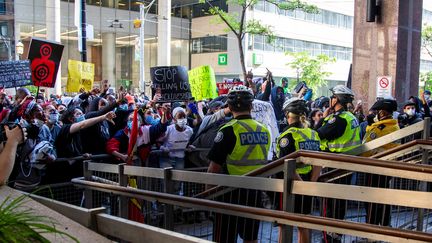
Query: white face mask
x=376, y=118
x=427, y=97
x=410, y=112
x=181, y=123
x=53, y=118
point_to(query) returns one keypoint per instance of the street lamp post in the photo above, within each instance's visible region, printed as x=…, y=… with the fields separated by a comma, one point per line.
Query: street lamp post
x=141, y=43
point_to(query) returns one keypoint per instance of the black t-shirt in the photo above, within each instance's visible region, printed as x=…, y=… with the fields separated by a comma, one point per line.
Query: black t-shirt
x=67, y=144
x=224, y=144
x=334, y=128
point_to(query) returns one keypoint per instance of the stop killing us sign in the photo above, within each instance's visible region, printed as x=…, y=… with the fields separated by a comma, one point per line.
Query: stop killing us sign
x=45, y=57
x=172, y=82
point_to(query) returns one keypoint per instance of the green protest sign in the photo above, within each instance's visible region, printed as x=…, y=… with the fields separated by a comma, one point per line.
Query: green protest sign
x=202, y=82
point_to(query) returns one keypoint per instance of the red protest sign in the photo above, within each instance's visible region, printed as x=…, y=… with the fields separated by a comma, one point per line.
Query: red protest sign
x=223, y=88
x=45, y=57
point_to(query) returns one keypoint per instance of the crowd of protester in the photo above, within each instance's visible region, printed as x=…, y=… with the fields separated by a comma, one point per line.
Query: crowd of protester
x=61, y=131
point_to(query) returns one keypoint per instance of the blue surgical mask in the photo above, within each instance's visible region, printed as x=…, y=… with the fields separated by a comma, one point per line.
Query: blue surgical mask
x=129, y=125
x=123, y=107
x=149, y=120
x=53, y=118
x=80, y=118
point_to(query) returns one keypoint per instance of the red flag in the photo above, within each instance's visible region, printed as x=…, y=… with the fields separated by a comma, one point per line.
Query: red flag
x=133, y=136
x=134, y=206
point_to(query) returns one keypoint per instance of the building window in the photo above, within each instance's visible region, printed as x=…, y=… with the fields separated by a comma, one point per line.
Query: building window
x=292, y=45
x=209, y=44
x=2, y=6
x=201, y=10
x=323, y=16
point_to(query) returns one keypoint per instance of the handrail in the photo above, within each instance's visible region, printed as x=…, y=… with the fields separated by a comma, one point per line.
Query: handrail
x=81, y=157
x=402, y=147
x=334, y=157
x=313, y=222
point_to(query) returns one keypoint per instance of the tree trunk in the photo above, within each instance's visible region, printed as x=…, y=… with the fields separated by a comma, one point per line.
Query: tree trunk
x=242, y=57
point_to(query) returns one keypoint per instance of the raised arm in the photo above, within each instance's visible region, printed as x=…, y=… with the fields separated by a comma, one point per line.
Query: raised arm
x=76, y=127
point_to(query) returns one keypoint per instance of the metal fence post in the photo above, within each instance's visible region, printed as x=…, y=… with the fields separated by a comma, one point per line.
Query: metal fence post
x=288, y=198
x=88, y=193
x=123, y=202
x=169, y=209
x=422, y=186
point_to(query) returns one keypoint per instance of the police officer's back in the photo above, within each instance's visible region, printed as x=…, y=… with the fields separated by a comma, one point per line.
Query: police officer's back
x=242, y=145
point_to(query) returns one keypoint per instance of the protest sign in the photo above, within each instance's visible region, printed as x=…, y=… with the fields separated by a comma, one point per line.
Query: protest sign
x=15, y=73
x=45, y=57
x=202, y=82
x=223, y=88
x=80, y=75
x=171, y=82
x=263, y=112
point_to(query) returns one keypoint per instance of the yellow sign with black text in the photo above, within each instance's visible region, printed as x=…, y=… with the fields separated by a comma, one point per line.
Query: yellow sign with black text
x=80, y=76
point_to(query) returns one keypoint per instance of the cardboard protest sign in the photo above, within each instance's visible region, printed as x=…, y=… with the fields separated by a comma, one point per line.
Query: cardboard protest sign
x=263, y=112
x=202, y=82
x=45, y=57
x=80, y=75
x=223, y=88
x=171, y=82
x=15, y=73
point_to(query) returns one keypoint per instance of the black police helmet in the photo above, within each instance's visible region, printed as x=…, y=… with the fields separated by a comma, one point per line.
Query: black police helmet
x=385, y=104
x=240, y=97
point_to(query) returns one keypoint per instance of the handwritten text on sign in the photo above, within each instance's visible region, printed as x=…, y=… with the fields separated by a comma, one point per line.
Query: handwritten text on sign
x=171, y=82
x=203, y=83
x=15, y=73
x=80, y=75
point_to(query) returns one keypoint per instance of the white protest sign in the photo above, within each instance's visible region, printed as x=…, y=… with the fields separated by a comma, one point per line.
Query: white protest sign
x=263, y=113
x=384, y=86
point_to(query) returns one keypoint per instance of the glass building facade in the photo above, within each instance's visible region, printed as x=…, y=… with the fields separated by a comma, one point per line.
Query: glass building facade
x=114, y=46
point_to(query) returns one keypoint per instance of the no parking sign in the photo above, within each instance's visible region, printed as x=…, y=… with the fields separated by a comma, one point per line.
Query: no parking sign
x=384, y=86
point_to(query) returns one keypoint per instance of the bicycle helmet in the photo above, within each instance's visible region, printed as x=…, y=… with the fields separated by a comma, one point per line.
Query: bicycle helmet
x=240, y=97
x=295, y=105
x=343, y=93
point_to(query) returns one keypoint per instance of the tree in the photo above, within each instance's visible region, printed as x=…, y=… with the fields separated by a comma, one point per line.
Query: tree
x=426, y=77
x=239, y=26
x=310, y=69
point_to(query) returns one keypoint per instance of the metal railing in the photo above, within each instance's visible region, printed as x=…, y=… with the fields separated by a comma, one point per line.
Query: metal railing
x=396, y=198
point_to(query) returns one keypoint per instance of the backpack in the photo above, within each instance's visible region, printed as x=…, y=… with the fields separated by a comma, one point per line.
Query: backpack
x=31, y=168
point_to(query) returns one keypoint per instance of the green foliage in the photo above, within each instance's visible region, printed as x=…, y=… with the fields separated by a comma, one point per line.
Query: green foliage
x=426, y=77
x=310, y=69
x=427, y=39
x=18, y=223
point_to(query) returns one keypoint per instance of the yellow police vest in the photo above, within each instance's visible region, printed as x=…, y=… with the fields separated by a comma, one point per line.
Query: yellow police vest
x=305, y=139
x=251, y=147
x=350, y=138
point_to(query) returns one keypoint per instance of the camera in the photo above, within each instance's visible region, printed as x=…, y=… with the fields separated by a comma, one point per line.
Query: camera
x=11, y=125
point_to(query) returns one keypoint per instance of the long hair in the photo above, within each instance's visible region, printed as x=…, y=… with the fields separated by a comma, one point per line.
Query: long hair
x=300, y=118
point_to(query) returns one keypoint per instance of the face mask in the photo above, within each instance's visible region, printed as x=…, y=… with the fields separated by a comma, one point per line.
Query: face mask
x=410, y=112
x=181, y=123
x=24, y=123
x=427, y=97
x=123, y=107
x=38, y=122
x=53, y=118
x=129, y=125
x=149, y=120
x=376, y=119
x=80, y=118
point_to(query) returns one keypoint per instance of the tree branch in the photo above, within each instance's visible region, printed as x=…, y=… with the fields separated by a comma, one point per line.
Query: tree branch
x=223, y=18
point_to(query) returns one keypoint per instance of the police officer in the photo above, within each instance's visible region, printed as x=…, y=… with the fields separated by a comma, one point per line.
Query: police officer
x=240, y=146
x=339, y=133
x=384, y=124
x=298, y=136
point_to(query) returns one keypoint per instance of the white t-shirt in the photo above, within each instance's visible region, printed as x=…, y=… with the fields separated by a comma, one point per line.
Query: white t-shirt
x=175, y=140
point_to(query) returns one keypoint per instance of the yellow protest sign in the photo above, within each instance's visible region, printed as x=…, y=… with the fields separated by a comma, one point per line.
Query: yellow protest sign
x=202, y=82
x=80, y=75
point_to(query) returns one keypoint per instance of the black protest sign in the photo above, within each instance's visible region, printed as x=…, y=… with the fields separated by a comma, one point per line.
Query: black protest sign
x=171, y=82
x=15, y=73
x=45, y=57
